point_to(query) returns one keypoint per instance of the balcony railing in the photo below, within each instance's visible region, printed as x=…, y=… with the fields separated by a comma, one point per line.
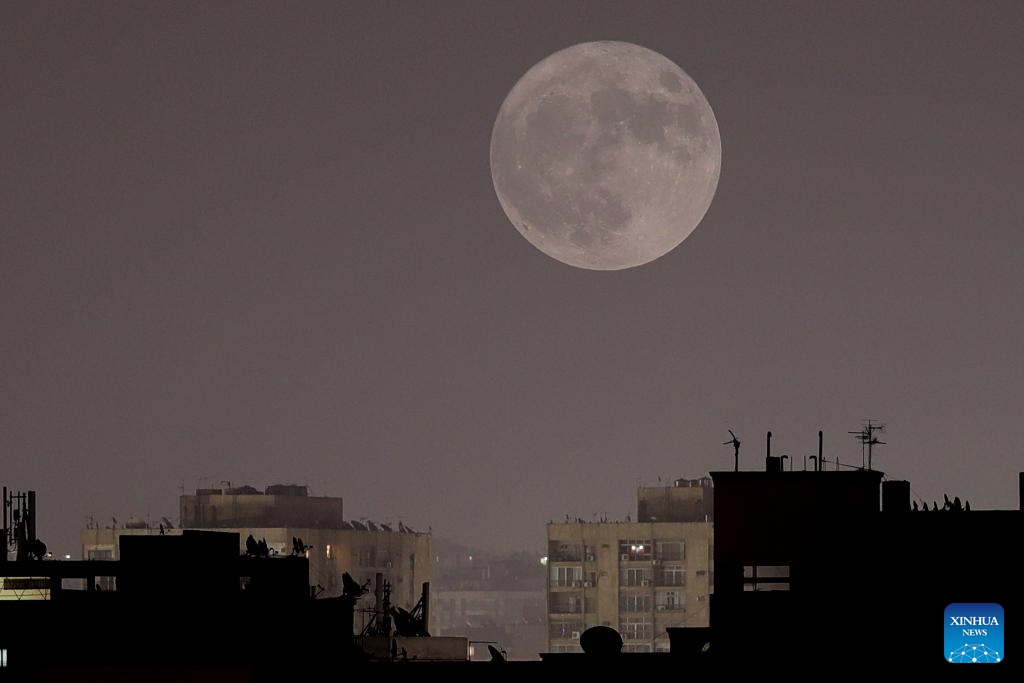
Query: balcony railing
x=634, y=608
x=565, y=608
x=671, y=579
x=566, y=556
x=671, y=607
x=636, y=634
x=630, y=582
x=565, y=631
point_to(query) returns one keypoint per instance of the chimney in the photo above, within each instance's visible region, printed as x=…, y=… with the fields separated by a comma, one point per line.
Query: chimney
x=817, y=463
x=895, y=496
x=768, y=454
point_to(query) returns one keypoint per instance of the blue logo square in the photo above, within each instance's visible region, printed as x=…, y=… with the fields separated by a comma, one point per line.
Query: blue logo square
x=973, y=633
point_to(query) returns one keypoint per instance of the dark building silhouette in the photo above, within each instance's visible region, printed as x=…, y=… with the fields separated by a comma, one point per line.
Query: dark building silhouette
x=826, y=572
x=182, y=602
x=282, y=514
x=833, y=568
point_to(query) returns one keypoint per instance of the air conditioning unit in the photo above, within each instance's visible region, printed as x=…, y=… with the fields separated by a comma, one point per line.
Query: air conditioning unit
x=575, y=635
x=655, y=561
x=590, y=558
x=661, y=608
x=588, y=584
x=645, y=582
x=625, y=557
x=577, y=584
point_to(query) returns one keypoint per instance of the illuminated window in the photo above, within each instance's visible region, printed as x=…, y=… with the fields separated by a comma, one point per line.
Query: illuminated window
x=328, y=551
x=636, y=550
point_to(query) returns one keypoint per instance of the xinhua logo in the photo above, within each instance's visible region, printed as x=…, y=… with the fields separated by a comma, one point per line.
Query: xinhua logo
x=973, y=633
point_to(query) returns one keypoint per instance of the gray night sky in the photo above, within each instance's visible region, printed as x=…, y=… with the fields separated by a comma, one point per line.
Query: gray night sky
x=260, y=243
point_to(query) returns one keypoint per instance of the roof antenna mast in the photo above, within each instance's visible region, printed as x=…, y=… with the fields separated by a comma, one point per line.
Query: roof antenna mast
x=867, y=439
x=735, y=443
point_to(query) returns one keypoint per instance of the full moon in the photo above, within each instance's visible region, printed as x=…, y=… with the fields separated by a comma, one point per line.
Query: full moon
x=605, y=155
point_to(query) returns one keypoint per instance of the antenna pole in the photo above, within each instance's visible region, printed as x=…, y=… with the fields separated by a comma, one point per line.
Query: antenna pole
x=867, y=437
x=817, y=463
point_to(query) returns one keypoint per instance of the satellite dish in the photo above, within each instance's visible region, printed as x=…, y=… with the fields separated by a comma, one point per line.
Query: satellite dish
x=602, y=641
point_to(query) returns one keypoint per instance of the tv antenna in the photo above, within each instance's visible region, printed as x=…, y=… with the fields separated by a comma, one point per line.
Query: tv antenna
x=736, y=446
x=868, y=440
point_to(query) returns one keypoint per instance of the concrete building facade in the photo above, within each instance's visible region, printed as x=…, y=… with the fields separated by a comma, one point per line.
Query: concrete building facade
x=639, y=578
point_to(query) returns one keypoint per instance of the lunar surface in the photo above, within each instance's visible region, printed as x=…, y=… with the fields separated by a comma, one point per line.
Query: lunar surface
x=605, y=155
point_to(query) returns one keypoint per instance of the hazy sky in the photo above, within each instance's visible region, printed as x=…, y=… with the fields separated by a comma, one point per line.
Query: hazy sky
x=259, y=242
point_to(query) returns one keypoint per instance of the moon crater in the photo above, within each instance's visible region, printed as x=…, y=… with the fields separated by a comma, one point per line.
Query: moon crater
x=605, y=155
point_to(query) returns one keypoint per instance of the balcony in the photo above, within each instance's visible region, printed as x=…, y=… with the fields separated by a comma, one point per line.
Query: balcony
x=636, y=633
x=569, y=630
x=671, y=579
x=565, y=556
x=670, y=607
x=565, y=552
x=630, y=606
x=571, y=606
